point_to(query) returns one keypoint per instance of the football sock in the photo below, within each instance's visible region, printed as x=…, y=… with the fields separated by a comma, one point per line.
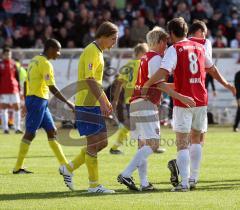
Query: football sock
x=122, y=136
x=92, y=166
x=57, y=150
x=17, y=120
x=195, y=160
x=142, y=171
x=5, y=119
x=79, y=160
x=183, y=163
x=141, y=154
x=23, y=149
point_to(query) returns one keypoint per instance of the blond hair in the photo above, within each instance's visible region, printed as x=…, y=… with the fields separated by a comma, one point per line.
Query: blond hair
x=156, y=35
x=140, y=48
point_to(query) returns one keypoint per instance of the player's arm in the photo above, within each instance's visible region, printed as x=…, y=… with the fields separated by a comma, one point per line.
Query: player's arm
x=117, y=90
x=188, y=101
x=55, y=91
x=97, y=91
x=214, y=72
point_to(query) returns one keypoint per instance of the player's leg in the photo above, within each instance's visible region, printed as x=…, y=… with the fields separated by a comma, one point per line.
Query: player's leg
x=35, y=113
x=5, y=104
x=91, y=124
x=17, y=113
x=145, y=127
x=199, y=127
x=123, y=133
x=182, y=120
x=64, y=169
x=237, y=118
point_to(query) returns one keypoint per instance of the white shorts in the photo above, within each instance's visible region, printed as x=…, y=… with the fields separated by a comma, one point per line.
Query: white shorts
x=185, y=119
x=144, y=120
x=10, y=98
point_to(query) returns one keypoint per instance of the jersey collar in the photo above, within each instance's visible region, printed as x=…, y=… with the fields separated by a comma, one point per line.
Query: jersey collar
x=95, y=43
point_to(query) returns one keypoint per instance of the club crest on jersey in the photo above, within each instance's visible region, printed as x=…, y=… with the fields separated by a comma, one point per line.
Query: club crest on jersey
x=90, y=65
x=47, y=77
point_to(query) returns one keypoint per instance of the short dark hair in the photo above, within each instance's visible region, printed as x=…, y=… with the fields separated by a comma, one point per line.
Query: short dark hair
x=6, y=49
x=197, y=24
x=51, y=43
x=106, y=29
x=178, y=27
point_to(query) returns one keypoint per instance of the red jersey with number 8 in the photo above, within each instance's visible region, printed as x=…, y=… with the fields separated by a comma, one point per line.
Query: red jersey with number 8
x=189, y=74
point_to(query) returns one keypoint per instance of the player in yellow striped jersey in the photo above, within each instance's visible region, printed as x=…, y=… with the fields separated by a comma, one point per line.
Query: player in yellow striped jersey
x=126, y=80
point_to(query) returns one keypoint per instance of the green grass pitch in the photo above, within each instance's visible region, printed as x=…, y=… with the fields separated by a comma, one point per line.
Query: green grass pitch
x=219, y=186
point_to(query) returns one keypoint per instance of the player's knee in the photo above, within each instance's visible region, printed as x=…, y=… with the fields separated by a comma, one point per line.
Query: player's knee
x=104, y=143
x=182, y=144
x=52, y=133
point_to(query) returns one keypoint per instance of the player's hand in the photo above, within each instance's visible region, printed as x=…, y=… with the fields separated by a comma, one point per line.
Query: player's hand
x=24, y=111
x=106, y=108
x=144, y=91
x=71, y=105
x=231, y=88
x=214, y=94
x=188, y=101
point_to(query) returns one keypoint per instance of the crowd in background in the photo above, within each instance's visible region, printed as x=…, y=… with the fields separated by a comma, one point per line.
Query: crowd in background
x=28, y=23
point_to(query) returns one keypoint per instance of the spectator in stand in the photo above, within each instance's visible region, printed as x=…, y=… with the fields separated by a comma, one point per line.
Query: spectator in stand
x=199, y=12
x=218, y=42
x=125, y=40
x=183, y=11
x=235, y=43
x=90, y=36
x=139, y=31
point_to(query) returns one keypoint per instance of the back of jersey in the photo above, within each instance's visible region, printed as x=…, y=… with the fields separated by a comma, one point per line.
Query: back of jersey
x=189, y=74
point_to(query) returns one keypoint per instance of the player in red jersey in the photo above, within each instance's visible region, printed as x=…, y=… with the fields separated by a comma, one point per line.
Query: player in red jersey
x=144, y=116
x=188, y=62
x=9, y=91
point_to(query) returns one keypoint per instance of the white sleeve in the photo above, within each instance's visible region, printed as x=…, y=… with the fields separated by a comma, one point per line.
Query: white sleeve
x=169, y=60
x=154, y=65
x=208, y=60
x=208, y=47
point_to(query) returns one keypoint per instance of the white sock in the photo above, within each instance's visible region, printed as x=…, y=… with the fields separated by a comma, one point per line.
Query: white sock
x=183, y=163
x=17, y=120
x=195, y=159
x=141, y=154
x=5, y=119
x=142, y=171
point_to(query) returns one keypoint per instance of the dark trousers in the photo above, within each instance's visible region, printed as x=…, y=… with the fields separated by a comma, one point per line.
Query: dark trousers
x=237, y=118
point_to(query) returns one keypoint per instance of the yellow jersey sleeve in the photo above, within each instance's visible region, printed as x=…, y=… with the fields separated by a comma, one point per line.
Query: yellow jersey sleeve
x=48, y=73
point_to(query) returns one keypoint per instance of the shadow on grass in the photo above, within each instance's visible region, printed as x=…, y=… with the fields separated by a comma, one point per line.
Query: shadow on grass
x=205, y=181
x=84, y=193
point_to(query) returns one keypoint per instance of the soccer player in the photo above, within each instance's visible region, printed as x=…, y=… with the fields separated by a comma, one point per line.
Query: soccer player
x=126, y=79
x=197, y=33
x=92, y=105
x=9, y=91
x=187, y=61
x=144, y=116
x=40, y=80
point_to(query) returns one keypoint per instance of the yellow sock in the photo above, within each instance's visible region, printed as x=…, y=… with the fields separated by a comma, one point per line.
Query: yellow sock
x=79, y=160
x=57, y=149
x=122, y=136
x=24, y=146
x=92, y=166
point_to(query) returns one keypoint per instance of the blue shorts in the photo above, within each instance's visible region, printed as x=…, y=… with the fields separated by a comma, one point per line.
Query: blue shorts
x=89, y=120
x=38, y=115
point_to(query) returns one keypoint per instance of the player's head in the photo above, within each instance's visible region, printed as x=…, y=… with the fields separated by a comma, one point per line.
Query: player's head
x=107, y=34
x=6, y=53
x=177, y=29
x=52, y=48
x=198, y=29
x=140, y=49
x=157, y=39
